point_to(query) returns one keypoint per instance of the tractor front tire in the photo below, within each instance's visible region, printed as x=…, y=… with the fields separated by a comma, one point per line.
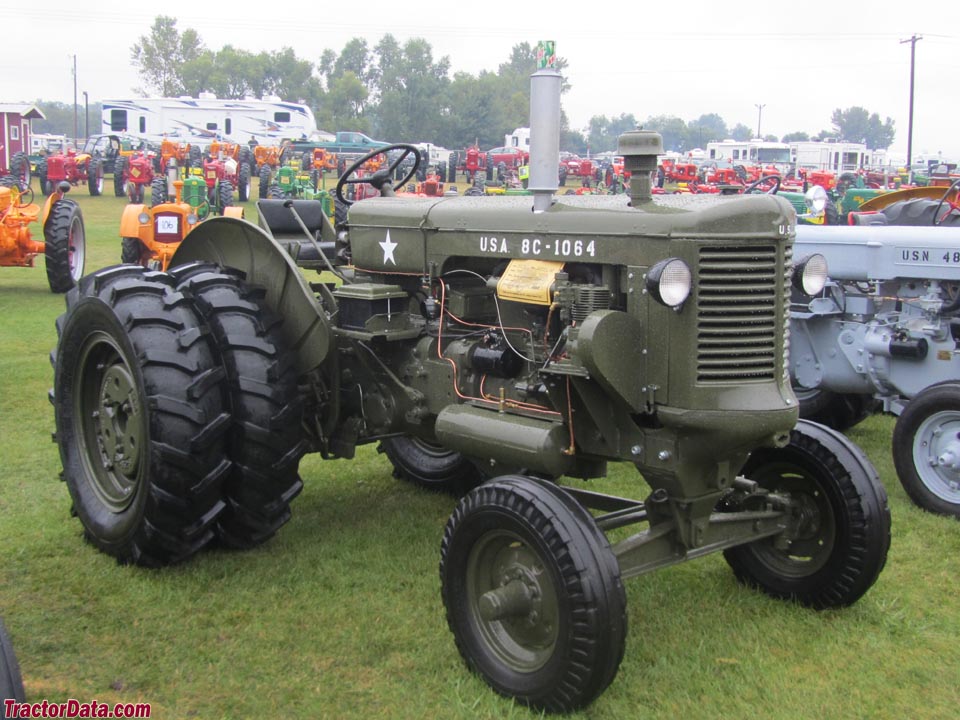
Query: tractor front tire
x=65, y=245
x=926, y=449
x=842, y=535
x=533, y=593
x=140, y=417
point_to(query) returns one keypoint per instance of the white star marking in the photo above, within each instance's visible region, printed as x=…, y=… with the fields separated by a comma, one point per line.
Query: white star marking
x=388, y=248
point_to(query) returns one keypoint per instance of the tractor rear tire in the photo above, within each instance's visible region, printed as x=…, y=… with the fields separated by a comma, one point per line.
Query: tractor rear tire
x=243, y=182
x=20, y=169
x=158, y=190
x=267, y=439
x=119, y=166
x=430, y=466
x=533, y=593
x=224, y=196
x=841, y=545
x=42, y=175
x=95, y=177
x=264, y=189
x=11, y=682
x=131, y=251
x=139, y=401
x=65, y=245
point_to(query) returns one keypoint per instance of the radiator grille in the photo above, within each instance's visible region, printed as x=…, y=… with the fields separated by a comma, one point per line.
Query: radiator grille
x=737, y=322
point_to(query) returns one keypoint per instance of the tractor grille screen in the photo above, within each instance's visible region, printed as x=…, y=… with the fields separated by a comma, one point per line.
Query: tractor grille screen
x=737, y=318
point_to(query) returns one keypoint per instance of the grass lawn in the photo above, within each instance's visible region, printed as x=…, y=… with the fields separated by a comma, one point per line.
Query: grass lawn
x=340, y=614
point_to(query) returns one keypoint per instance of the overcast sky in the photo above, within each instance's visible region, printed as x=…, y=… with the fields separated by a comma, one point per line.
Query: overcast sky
x=799, y=60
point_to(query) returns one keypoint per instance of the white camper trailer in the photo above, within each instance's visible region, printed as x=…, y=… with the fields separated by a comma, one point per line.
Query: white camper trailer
x=207, y=118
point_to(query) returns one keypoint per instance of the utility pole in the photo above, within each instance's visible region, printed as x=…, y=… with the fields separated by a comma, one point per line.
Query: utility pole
x=86, y=115
x=913, y=53
x=75, y=100
x=759, y=115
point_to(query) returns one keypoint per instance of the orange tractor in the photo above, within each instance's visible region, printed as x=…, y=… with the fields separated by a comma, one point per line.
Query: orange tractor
x=64, y=243
x=151, y=235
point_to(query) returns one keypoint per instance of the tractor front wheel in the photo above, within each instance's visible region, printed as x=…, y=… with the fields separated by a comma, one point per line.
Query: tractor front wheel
x=839, y=531
x=140, y=417
x=65, y=245
x=224, y=196
x=926, y=449
x=533, y=593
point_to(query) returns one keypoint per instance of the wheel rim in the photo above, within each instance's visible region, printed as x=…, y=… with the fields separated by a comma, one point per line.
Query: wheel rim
x=936, y=455
x=110, y=415
x=812, y=533
x=76, y=249
x=513, y=601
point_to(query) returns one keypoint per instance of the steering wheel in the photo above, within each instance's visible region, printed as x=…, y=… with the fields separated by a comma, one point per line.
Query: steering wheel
x=774, y=179
x=381, y=179
x=937, y=217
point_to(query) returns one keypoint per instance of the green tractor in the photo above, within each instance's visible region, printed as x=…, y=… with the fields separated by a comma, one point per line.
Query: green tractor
x=491, y=347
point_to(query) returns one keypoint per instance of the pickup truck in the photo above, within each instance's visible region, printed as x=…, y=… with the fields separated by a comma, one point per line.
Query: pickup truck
x=343, y=143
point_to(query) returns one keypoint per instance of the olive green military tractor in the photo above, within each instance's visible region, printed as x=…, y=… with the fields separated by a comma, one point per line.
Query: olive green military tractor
x=492, y=348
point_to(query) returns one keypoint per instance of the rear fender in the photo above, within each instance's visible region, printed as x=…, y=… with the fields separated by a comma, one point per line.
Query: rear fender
x=231, y=242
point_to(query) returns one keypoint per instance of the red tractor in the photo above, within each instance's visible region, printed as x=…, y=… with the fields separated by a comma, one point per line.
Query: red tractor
x=71, y=167
x=236, y=160
x=135, y=173
x=468, y=162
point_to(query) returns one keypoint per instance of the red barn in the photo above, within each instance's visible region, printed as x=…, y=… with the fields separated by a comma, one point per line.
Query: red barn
x=15, y=130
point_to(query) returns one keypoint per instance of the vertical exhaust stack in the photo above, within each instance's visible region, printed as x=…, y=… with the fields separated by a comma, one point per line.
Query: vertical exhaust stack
x=640, y=149
x=544, y=127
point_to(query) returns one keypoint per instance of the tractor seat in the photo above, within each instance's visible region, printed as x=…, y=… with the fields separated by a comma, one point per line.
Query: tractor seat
x=277, y=219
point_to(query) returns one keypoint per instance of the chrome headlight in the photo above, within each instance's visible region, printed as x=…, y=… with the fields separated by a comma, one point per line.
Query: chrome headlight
x=192, y=219
x=669, y=282
x=815, y=199
x=810, y=274
x=144, y=218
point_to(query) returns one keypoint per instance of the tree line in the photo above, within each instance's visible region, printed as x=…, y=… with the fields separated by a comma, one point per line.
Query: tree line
x=399, y=91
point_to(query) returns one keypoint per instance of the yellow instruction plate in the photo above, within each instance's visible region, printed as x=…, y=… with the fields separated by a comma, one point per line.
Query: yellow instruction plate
x=528, y=281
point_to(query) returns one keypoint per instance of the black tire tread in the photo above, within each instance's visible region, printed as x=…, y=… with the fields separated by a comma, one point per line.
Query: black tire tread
x=941, y=396
x=56, y=235
x=267, y=439
x=187, y=464
x=863, y=523
x=589, y=575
